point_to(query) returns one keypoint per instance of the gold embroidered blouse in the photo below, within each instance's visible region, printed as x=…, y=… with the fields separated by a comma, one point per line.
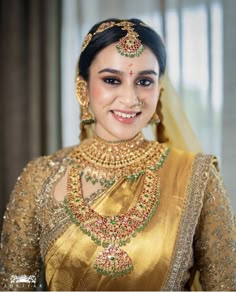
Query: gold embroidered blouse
x=192, y=229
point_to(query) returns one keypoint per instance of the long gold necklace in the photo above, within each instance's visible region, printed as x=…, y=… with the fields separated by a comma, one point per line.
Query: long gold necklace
x=112, y=232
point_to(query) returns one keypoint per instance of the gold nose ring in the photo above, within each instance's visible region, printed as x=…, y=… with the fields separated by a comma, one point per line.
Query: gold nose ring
x=140, y=102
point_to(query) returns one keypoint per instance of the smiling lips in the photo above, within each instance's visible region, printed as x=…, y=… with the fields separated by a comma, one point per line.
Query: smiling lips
x=125, y=117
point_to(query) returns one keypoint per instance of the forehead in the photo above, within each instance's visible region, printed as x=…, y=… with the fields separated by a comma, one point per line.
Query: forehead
x=110, y=57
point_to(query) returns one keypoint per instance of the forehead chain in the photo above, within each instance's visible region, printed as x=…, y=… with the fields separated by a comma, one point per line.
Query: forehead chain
x=128, y=46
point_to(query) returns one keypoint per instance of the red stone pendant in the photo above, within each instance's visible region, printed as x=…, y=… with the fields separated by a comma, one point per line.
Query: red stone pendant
x=113, y=262
x=130, y=46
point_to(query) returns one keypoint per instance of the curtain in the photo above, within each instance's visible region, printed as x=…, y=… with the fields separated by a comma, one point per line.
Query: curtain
x=30, y=123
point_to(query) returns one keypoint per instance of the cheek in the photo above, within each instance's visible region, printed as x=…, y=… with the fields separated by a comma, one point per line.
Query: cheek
x=95, y=93
x=98, y=93
x=152, y=99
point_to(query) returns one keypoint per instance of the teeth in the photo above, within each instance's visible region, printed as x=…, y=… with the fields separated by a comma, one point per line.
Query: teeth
x=123, y=115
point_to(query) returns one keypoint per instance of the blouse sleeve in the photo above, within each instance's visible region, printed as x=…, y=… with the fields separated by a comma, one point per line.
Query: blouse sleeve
x=19, y=250
x=215, y=245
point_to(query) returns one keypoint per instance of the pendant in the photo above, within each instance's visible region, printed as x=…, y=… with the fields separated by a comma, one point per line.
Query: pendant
x=130, y=46
x=113, y=262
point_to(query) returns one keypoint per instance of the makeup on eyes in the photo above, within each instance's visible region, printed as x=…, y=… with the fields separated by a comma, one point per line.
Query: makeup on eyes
x=143, y=78
x=118, y=72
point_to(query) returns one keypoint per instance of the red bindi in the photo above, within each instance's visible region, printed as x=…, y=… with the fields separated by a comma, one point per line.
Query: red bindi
x=131, y=73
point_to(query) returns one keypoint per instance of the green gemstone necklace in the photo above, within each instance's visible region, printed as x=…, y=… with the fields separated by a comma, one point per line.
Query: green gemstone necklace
x=113, y=232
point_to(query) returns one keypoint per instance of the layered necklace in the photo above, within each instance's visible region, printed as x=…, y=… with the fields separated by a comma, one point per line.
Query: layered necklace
x=105, y=163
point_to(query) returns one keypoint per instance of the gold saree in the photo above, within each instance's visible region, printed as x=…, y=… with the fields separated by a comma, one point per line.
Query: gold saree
x=192, y=229
x=69, y=262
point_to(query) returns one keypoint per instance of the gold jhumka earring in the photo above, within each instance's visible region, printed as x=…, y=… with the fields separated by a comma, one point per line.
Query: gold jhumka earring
x=82, y=97
x=155, y=119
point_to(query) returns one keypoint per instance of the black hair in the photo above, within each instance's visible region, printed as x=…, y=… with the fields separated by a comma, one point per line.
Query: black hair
x=147, y=36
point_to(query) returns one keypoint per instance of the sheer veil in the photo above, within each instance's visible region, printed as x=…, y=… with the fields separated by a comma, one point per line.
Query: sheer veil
x=177, y=126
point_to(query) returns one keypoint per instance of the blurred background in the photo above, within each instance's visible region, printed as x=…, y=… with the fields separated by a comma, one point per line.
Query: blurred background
x=40, y=45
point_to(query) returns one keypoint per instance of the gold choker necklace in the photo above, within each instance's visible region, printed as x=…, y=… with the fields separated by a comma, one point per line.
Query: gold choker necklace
x=111, y=161
x=105, y=162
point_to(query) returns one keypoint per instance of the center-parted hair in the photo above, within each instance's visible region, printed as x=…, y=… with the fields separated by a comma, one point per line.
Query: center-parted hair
x=147, y=36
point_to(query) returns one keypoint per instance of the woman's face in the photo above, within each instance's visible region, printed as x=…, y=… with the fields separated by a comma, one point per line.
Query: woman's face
x=116, y=85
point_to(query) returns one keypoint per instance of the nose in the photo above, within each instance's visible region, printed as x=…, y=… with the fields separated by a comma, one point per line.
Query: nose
x=128, y=97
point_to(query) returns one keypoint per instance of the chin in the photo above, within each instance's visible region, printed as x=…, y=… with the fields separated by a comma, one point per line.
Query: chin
x=118, y=133
x=125, y=135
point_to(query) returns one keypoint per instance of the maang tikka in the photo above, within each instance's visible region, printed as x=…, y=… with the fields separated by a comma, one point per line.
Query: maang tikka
x=128, y=46
x=82, y=96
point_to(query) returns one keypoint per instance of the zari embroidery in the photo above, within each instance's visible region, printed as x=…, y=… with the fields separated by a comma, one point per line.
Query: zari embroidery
x=22, y=227
x=54, y=220
x=183, y=254
x=215, y=242
x=206, y=218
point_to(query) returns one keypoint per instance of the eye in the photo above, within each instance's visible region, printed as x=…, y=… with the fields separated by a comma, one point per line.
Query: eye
x=111, y=80
x=145, y=82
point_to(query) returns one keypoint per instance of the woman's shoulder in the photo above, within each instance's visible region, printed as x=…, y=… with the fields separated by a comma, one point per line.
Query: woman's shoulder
x=45, y=162
x=197, y=164
x=182, y=156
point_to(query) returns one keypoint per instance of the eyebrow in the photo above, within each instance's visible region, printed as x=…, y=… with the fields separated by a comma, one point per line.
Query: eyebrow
x=148, y=72
x=115, y=71
x=109, y=70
